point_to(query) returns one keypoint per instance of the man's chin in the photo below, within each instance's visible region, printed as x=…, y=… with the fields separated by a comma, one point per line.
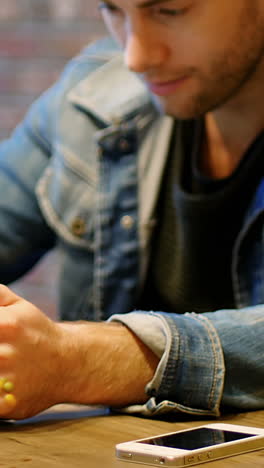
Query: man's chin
x=176, y=110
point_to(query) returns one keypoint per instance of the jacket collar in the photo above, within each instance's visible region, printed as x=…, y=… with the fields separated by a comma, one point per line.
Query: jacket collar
x=111, y=93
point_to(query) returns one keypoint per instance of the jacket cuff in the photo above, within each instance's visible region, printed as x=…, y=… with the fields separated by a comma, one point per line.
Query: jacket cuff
x=190, y=375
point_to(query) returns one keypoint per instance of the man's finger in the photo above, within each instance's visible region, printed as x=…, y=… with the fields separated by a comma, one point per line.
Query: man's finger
x=7, y=296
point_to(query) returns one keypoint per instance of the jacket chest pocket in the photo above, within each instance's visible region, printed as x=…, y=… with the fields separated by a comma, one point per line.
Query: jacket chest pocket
x=67, y=197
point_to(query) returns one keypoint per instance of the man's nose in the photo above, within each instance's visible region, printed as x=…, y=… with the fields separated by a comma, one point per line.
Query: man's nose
x=143, y=53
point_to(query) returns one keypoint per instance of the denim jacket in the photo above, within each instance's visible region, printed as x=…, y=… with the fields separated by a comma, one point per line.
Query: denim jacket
x=83, y=172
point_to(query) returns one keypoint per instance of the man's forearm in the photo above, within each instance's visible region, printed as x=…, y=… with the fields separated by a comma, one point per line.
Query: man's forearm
x=105, y=364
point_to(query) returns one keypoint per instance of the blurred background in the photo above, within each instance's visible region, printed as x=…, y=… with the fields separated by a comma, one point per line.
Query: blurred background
x=37, y=38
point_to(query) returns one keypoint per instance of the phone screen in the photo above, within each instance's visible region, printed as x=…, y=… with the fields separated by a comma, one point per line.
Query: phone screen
x=196, y=438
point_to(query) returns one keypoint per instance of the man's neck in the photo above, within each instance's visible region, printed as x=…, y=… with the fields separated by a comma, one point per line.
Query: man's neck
x=223, y=151
x=231, y=129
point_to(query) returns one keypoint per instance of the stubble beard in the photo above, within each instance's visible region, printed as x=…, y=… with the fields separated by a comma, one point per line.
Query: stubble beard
x=226, y=77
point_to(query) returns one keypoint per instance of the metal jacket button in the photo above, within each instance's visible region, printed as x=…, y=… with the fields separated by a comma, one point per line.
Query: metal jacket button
x=124, y=145
x=78, y=226
x=127, y=222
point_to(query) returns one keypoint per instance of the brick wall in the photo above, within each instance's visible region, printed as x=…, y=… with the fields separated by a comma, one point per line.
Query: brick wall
x=37, y=37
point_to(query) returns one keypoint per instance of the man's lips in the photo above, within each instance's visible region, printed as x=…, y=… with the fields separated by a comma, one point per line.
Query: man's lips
x=164, y=88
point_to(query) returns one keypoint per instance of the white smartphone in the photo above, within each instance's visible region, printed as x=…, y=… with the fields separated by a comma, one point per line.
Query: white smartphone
x=192, y=446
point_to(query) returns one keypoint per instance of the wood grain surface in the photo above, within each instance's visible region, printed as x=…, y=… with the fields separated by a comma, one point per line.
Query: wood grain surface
x=77, y=436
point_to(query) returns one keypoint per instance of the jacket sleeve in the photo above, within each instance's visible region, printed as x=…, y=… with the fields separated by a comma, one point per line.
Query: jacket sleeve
x=24, y=235
x=209, y=362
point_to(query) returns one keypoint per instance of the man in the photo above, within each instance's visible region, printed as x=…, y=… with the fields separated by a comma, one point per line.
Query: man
x=158, y=218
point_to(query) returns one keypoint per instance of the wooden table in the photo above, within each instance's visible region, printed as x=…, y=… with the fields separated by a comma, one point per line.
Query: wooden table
x=72, y=437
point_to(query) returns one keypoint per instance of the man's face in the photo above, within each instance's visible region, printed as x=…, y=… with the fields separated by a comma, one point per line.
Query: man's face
x=193, y=55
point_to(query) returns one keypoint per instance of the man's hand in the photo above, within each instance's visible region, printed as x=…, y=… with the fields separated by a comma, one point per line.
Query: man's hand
x=30, y=356
x=81, y=362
